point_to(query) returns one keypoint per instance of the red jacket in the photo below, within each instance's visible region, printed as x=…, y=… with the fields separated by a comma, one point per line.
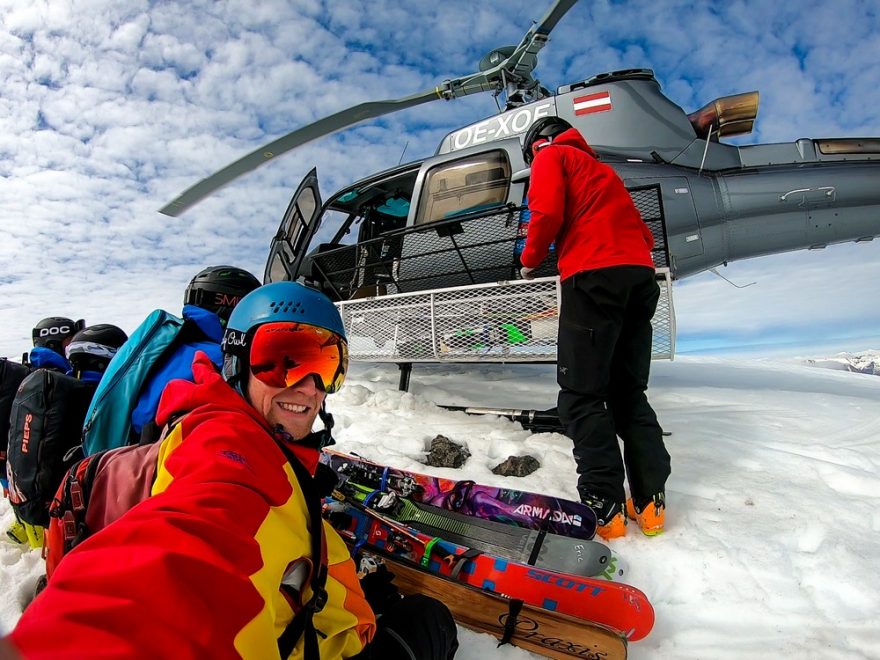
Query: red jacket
x=194, y=571
x=583, y=206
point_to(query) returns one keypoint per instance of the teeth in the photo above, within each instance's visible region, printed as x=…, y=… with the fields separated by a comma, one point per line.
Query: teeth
x=292, y=407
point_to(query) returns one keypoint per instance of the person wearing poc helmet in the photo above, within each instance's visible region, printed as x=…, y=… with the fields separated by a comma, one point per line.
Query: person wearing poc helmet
x=223, y=559
x=88, y=352
x=51, y=336
x=207, y=303
x=609, y=295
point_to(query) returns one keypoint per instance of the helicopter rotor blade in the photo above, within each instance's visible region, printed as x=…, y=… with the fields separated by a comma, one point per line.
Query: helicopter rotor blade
x=325, y=126
x=552, y=17
x=535, y=39
x=517, y=66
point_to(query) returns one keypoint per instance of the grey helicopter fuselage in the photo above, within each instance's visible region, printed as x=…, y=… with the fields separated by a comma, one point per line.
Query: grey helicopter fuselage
x=721, y=202
x=426, y=254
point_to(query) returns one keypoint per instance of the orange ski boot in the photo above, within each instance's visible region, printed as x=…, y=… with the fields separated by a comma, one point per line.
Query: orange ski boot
x=610, y=521
x=648, y=514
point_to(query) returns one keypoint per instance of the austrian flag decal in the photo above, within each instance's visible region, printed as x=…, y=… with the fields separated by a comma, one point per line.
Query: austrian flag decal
x=585, y=105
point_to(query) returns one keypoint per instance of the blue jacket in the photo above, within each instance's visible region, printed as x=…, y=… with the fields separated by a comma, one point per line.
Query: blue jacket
x=91, y=376
x=179, y=364
x=45, y=358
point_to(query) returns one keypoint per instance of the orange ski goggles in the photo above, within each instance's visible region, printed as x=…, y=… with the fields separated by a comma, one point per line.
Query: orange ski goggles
x=283, y=353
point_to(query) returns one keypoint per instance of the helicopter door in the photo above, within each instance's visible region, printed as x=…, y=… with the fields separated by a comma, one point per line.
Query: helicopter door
x=298, y=226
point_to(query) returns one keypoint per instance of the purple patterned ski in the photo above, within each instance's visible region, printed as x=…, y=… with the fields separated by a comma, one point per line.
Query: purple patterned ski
x=506, y=505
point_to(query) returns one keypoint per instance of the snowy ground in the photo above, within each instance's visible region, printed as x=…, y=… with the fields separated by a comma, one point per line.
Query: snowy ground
x=773, y=523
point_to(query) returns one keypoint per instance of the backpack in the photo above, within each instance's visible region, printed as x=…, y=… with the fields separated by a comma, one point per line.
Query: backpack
x=44, y=425
x=101, y=487
x=11, y=375
x=117, y=478
x=108, y=421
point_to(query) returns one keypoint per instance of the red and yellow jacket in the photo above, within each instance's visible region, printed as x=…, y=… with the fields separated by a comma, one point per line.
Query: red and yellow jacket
x=583, y=206
x=195, y=570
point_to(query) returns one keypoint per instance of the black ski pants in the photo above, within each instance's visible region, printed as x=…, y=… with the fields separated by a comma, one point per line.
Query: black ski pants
x=416, y=627
x=603, y=362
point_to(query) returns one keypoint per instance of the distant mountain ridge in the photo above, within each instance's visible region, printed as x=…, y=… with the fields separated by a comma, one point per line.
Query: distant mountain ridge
x=867, y=362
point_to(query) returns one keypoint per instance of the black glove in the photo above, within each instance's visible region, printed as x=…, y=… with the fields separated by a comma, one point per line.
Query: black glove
x=379, y=589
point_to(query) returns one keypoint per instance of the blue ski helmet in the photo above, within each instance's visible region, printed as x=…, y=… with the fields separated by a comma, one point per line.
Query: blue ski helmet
x=273, y=303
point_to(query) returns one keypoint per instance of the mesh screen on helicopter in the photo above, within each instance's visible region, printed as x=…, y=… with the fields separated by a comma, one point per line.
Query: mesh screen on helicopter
x=449, y=290
x=464, y=250
x=514, y=321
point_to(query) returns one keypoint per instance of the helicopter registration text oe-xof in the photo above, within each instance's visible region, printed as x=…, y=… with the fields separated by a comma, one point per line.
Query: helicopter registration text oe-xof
x=503, y=126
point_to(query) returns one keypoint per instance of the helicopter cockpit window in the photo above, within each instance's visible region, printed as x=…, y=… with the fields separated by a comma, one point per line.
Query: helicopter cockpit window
x=464, y=186
x=338, y=227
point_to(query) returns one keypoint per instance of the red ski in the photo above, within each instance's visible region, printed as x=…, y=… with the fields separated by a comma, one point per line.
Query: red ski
x=616, y=605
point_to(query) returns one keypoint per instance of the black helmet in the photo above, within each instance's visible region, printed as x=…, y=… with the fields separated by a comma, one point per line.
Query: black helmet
x=219, y=288
x=546, y=128
x=52, y=332
x=92, y=349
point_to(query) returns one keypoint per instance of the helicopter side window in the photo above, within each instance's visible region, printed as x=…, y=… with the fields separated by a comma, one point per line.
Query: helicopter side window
x=464, y=186
x=302, y=213
x=277, y=271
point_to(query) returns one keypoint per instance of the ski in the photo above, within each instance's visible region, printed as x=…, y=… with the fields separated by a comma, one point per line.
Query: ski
x=618, y=606
x=544, y=550
x=505, y=505
x=532, y=628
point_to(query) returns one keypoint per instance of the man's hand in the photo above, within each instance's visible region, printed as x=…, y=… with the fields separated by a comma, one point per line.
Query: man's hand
x=526, y=273
x=380, y=590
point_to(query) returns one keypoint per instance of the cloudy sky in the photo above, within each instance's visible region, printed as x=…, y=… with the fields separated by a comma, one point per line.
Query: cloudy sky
x=108, y=110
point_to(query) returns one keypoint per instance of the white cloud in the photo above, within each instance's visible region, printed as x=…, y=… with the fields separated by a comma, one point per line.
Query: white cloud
x=110, y=109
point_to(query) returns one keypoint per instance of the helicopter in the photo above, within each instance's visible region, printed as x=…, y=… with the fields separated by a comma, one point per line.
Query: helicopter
x=422, y=259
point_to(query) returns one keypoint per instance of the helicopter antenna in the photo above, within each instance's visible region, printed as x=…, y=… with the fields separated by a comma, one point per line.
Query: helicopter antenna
x=706, y=151
x=403, y=152
x=714, y=271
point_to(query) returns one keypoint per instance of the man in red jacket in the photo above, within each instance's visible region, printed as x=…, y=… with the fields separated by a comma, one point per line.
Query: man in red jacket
x=228, y=554
x=609, y=295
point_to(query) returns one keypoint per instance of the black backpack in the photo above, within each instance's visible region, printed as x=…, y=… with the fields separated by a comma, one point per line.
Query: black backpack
x=11, y=375
x=45, y=424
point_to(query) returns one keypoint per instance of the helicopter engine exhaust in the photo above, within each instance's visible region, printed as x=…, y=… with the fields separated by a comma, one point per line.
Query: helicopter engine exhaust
x=726, y=116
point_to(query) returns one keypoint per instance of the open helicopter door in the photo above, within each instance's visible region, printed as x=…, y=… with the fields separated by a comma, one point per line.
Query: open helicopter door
x=298, y=226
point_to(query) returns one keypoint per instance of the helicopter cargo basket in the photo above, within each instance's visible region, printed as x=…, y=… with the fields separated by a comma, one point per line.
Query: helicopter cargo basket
x=513, y=321
x=447, y=290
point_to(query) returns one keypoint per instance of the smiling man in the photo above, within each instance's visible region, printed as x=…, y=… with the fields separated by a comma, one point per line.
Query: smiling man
x=229, y=556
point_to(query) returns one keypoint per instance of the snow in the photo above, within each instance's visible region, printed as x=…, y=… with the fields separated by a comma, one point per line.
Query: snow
x=867, y=362
x=772, y=520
